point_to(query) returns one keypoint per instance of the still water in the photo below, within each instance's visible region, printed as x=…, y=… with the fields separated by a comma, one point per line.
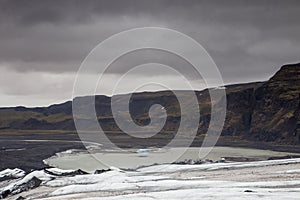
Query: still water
x=135, y=158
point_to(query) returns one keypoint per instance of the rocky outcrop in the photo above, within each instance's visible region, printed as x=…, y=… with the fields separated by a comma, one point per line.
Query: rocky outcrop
x=34, y=179
x=9, y=174
x=277, y=104
x=21, y=187
x=58, y=172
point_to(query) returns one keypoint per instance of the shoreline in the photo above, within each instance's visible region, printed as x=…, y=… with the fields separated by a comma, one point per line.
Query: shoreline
x=101, y=159
x=30, y=154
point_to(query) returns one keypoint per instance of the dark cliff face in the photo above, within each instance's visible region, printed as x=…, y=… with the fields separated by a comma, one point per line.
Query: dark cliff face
x=264, y=111
x=276, y=113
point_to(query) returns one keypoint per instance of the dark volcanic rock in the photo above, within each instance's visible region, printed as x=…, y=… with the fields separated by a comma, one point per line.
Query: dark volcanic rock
x=72, y=173
x=277, y=104
x=31, y=184
x=21, y=187
x=189, y=162
x=100, y=171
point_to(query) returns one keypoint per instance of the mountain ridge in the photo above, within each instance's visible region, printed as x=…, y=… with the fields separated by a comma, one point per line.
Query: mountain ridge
x=259, y=111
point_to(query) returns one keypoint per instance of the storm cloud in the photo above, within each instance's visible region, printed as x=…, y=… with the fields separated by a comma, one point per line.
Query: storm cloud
x=42, y=43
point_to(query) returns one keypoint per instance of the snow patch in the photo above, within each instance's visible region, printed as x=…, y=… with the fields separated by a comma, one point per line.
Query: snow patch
x=13, y=173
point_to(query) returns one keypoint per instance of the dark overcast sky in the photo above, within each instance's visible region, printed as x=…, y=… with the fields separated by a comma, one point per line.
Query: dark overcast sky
x=42, y=43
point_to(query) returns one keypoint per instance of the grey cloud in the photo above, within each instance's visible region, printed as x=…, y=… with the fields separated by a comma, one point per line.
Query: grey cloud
x=248, y=40
x=63, y=32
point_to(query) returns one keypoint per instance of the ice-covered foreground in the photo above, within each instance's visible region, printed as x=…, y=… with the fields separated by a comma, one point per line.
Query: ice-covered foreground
x=277, y=179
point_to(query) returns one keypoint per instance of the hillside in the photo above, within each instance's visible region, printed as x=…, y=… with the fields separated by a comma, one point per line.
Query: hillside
x=265, y=111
